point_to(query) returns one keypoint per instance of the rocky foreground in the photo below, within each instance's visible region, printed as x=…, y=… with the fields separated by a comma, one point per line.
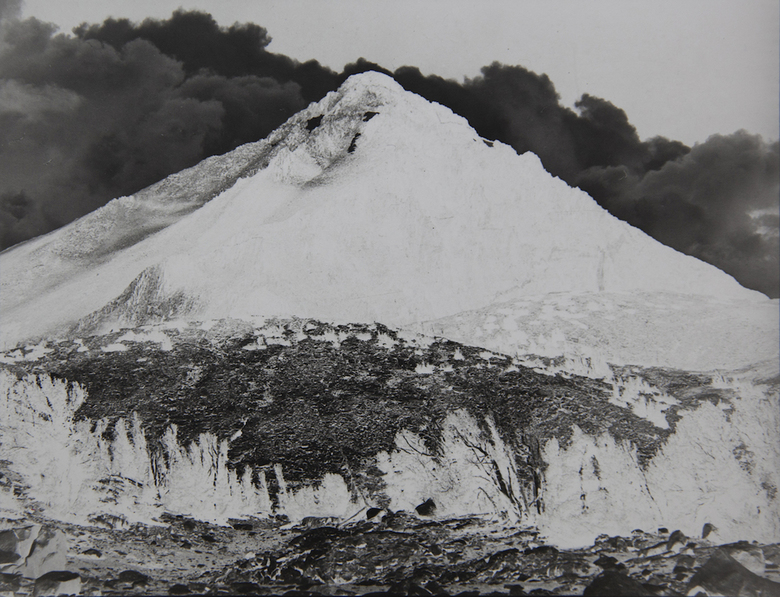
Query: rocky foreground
x=381, y=553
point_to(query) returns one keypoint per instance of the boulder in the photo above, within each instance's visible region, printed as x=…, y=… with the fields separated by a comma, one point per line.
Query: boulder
x=723, y=575
x=611, y=582
x=57, y=582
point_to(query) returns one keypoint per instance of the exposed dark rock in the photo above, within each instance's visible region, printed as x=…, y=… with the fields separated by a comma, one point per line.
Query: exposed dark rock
x=314, y=408
x=427, y=508
x=353, y=144
x=242, y=526
x=244, y=588
x=408, y=587
x=723, y=575
x=707, y=529
x=313, y=123
x=10, y=582
x=606, y=562
x=416, y=556
x=57, y=582
x=179, y=589
x=611, y=583
x=133, y=577
x=675, y=538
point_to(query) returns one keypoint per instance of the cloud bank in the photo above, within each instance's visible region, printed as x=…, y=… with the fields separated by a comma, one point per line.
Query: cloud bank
x=117, y=106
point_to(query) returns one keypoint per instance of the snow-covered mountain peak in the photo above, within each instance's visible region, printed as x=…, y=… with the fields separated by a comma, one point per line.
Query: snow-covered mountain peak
x=328, y=131
x=370, y=205
x=370, y=89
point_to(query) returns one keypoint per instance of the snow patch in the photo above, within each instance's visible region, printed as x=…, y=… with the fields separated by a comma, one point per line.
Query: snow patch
x=115, y=347
x=385, y=341
x=152, y=334
x=36, y=352
x=425, y=368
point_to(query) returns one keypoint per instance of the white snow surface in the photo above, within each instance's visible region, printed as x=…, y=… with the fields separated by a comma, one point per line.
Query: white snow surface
x=422, y=220
x=592, y=331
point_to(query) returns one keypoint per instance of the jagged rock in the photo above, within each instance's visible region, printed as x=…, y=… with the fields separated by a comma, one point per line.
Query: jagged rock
x=723, y=575
x=133, y=578
x=48, y=552
x=611, y=583
x=676, y=542
x=15, y=545
x=606, y=562
x=9, y=583
x=427, y=508
x=32, y=550
x=57, y=582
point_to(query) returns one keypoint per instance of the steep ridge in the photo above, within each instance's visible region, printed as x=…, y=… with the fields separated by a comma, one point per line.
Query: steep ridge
x=371, y=205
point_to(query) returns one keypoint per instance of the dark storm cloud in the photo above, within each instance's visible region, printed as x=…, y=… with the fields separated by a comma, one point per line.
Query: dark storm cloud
x=117, y=106
x=10, y=9
x=730, y=185
x=199, y=43
x=83, y=121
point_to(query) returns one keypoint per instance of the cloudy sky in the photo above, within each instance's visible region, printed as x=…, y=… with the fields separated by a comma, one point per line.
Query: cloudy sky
x=684, y=69
x=665, y=112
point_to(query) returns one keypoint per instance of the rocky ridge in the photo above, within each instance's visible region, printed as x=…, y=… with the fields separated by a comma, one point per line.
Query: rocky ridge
x=389, y=553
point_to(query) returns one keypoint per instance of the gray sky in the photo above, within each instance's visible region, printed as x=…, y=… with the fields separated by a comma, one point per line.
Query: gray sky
x=684, y=69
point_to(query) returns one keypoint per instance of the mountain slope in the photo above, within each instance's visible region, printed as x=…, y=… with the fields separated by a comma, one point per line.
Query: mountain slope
x=373, y=205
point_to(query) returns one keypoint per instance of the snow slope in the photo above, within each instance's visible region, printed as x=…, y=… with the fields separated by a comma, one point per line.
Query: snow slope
x=592, y=331
x=371, y=205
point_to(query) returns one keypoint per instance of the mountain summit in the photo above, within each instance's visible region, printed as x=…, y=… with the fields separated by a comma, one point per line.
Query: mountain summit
x=371, y=205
